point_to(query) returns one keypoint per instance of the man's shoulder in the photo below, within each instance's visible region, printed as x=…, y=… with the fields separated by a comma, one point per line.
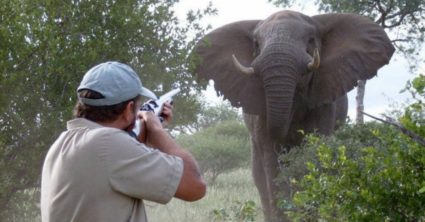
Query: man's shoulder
x=112, y=137
x=82, y=124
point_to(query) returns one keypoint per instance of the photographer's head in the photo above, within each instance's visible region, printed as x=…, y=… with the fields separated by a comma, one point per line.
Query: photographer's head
x=110, y=91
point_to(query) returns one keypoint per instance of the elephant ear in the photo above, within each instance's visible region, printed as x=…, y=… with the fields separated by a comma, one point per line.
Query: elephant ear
x=353, y=48
x=213, y=60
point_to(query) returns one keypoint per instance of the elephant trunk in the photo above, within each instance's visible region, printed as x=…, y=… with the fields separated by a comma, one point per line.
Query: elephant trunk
x=279, y=92
x=280, y=70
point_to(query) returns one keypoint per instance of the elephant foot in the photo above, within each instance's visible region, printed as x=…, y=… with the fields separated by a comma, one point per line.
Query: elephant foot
x=275, y=215
x=277, y=219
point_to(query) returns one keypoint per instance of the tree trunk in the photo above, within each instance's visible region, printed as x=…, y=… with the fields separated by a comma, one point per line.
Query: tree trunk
x=361, y=88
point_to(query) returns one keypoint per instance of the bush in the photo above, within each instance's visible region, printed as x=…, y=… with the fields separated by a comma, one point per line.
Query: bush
x=219, y=148
x=239, y=211
x=373, y=183
x=371, y=172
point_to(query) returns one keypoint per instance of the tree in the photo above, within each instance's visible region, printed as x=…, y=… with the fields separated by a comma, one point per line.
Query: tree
x=221, y=142
x=45, y=49
x=404, y=19
x=211, y=115
x=219, y=148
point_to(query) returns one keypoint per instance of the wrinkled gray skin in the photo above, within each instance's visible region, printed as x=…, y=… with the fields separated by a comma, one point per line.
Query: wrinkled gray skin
x=284, y=94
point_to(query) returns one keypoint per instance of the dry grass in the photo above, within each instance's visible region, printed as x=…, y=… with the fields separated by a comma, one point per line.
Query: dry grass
x=228, y=189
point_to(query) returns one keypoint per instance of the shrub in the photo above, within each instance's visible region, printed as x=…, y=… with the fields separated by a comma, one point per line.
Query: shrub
x=371, y=172
x=372, y=183
x=219, y=148
x=240, y=211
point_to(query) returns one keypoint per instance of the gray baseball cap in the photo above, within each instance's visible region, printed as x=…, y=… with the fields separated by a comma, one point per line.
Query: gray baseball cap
x=116, y=81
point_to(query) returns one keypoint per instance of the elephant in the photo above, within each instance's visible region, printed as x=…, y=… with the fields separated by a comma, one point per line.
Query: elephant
x=289, y=72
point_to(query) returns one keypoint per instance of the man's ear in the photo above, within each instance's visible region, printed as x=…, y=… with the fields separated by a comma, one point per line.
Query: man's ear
x=129, y=111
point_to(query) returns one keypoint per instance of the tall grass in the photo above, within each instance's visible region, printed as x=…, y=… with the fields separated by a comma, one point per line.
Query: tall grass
x=228, y=190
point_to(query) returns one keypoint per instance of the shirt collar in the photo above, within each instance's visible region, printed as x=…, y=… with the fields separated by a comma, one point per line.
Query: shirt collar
x=82, y=123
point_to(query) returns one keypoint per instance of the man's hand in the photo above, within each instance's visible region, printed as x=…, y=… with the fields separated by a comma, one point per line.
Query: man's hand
x=167, y=114
x=150, y=123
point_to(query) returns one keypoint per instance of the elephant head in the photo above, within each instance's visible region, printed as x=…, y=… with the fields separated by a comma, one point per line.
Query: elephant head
x=263, y=65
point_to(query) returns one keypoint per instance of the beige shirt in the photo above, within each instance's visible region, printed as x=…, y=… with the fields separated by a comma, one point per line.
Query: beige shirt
x=95, y=173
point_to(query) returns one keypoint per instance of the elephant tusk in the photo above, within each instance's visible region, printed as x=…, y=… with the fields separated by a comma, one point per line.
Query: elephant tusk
x=245, y=70
x=313, y=65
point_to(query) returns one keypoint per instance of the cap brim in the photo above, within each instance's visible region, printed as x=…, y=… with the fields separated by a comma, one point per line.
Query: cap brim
x=146, y=92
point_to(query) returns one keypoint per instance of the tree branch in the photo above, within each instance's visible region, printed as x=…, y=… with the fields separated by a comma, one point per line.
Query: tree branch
x=383, y=12
x=399, y=40
x=402, y=15
x=405, y=131
x=397, y=23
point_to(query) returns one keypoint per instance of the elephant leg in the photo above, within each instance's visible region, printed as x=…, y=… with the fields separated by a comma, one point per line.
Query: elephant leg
x=271, y=168
x=264, y=168
x=265, y=171
x=341, y=111
x=260, y=180
x=321, y=119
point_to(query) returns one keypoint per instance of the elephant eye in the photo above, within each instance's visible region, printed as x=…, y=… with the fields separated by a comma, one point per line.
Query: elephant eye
x=256, y=44
x=311, y=45
x=256, y=47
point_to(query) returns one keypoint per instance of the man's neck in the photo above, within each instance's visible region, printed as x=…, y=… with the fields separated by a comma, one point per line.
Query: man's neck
x=114, y=124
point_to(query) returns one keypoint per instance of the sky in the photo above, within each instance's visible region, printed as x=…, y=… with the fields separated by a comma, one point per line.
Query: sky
x=382, y=92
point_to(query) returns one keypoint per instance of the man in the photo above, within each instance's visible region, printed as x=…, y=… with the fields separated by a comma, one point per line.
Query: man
x=96, y=172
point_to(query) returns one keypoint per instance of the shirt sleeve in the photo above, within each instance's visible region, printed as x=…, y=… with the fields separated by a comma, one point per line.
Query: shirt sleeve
x=141, y=172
